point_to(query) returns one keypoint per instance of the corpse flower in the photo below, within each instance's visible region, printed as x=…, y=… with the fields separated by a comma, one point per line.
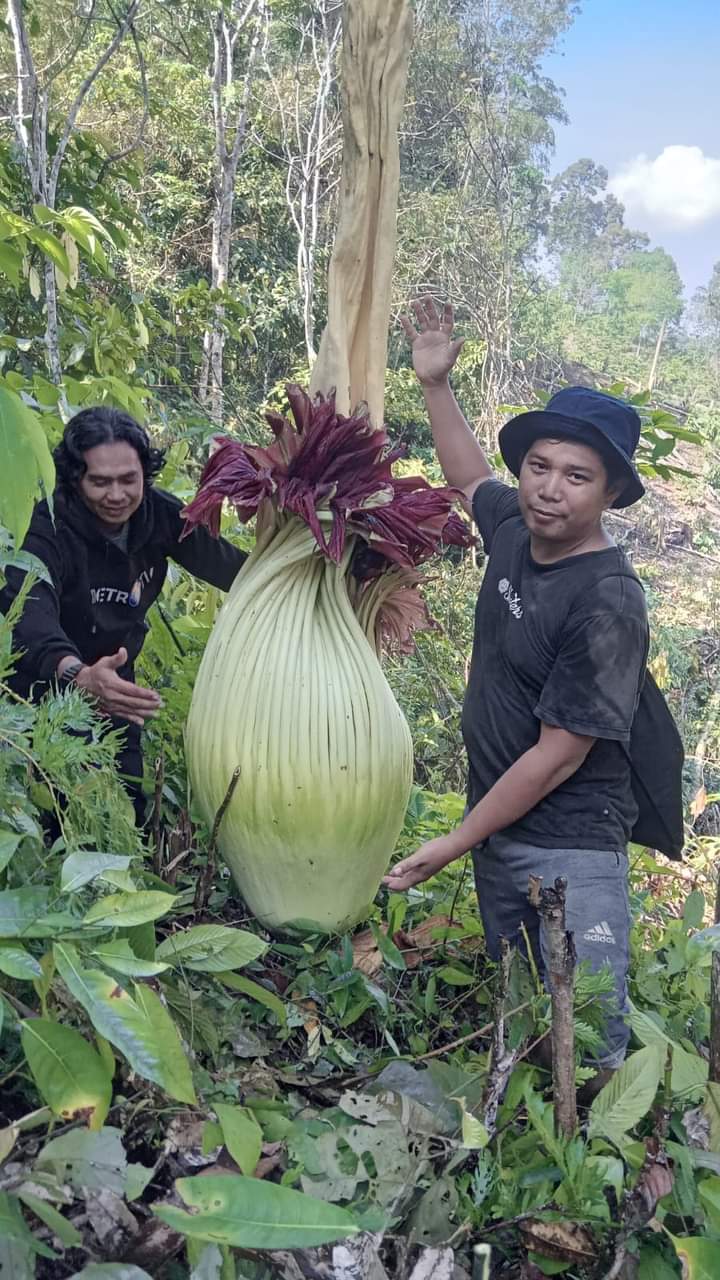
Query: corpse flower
x=290, y=688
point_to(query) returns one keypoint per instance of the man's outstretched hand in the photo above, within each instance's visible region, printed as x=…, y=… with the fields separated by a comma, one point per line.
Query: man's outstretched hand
x=426, y=862
x=116, y=696
x=434, y=351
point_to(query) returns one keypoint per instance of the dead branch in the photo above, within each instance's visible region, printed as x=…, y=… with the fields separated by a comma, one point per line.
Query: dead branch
x=550, y=904
x=502, y=1060
x=207, y=875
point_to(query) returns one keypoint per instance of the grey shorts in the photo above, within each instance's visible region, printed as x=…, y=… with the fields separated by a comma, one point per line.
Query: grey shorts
x=597, y=913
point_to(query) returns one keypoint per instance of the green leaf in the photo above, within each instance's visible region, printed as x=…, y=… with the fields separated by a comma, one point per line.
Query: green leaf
x=211, y=948
x=176, y=1075
x=242, y=1135
x=456, y=977
x=474, y=1134
x=251, y=1214
x=19, y=911
x=124, y=910
x=9, y=841
x=16, y=962
x=138, y=1177
x=27, y=467
x=14, y=1227
x=79, y=869
x=69, y=1074
x=698, y=1255
x=694, y=909
x=17, y=1259
x=50, y=246
x=11, y=261
x=629, y=1095
x=85, y=1159
x=141, y=1028
x=47, y=1213
x=118, y=955
x=709, y=1193
x=256, y=992
x=389, y=952
x=689, y=1071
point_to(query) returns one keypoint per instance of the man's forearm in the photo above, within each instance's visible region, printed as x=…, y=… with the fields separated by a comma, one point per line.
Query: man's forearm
x=525, y=784
x=461, y=458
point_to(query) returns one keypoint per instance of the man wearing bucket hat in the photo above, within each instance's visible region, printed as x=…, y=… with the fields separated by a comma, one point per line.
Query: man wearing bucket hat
x=559, y=656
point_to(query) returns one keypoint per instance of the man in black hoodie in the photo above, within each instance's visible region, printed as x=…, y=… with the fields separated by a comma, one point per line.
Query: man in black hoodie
x=106, y=554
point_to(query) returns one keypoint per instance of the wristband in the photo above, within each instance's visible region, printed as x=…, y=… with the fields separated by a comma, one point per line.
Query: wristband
x=70, y=674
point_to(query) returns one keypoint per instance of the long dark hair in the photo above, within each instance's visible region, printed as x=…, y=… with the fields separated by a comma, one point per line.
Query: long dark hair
x=102, y=425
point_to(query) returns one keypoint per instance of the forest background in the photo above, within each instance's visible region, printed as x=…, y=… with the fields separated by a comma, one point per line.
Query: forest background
x=168, y=187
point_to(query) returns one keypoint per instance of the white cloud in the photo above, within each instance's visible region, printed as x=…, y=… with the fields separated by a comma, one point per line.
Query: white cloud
x=680, y=188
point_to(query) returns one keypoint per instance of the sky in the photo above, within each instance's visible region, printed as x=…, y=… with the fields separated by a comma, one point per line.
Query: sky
x=642, y=90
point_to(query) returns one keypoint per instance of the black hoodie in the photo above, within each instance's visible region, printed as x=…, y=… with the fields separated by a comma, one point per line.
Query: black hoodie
x=100, y=594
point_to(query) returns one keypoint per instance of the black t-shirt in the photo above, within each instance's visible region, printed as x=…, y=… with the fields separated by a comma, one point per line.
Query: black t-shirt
x=565, y=644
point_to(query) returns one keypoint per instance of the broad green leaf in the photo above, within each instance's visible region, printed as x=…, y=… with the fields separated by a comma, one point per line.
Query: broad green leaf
x=211, y=948
x=698, y=1256
x=474, y=1134
x=51, y=247
x=138, y=1177
x=16, y=962
x=27, y=466
x=689, y=1071
x=9, y=841
x=694, y=909
x=140, y=1028
x=42, y=214
x=47, y=1213
x=456, y=977
x=629, y=1094
x=709, y=1193
x=14, y=1227
x=255, y=991
x=118, y=955
x=242, y=1135
x=69, y=1074
x=11, y=261
x=124, y=910
x=17, y=1259
x=85, y=1159
x=385, y=945
x=110, y=1271
x=21, y=908
x=177, y=1077
x=251, y=1214
x=79, y=869
x=704, y=942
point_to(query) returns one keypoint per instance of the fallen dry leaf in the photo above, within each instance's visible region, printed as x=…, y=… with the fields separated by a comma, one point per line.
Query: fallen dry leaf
x=563, y=1241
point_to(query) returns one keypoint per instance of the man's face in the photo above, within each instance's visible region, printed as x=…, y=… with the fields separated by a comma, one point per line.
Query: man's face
x=113, y=483
x=563, y=490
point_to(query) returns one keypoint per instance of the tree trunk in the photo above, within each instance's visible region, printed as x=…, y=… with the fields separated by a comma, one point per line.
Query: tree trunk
x=353, y=350
x=227, y=159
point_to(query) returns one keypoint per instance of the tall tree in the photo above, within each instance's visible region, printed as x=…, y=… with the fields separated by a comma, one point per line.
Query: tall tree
x=44, y=124
x=237, y=35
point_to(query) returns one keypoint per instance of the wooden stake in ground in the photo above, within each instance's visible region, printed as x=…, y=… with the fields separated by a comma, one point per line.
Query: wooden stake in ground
x=377, y=35
x=550, y=904
x=714, y=1073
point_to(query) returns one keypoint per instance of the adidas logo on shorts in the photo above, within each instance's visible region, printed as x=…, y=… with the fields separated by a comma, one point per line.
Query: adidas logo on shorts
x=600, y=933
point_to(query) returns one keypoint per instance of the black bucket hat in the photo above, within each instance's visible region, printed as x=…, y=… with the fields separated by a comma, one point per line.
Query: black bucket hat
x=606, y=424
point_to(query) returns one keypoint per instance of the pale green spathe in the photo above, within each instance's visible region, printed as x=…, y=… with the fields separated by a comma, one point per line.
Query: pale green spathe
x=291, y=690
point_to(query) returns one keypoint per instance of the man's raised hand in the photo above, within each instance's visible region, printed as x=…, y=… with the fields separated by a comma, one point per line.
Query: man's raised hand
x=116, y=696
x=434, y=351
